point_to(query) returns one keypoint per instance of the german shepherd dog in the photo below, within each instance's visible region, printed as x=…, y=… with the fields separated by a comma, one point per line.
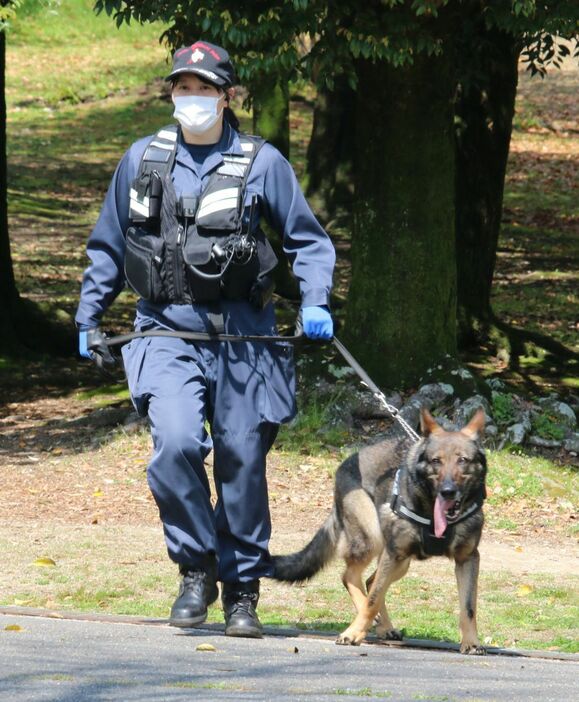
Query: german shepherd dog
x=396, y=501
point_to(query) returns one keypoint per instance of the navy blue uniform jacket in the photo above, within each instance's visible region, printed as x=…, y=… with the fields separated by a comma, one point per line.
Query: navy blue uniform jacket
x=280, y=201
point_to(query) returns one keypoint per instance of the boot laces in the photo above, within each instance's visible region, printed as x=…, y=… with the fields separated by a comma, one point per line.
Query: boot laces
x=193, y=578
x=243, y=602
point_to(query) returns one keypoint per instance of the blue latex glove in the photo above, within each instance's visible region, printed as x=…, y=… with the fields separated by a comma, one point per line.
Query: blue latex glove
x=92, y=345
x=83, y=344
x=317, y=323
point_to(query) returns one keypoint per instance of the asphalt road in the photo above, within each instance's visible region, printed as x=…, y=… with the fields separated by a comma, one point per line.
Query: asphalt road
x=67, y=660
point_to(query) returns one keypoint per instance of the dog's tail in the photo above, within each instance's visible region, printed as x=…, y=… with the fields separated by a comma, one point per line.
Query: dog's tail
x=303, y=565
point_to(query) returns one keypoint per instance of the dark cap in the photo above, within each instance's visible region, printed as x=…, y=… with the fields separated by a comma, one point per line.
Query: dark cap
x=206, y=60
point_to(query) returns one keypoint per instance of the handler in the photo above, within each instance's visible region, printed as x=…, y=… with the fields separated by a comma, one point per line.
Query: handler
x=180, y=223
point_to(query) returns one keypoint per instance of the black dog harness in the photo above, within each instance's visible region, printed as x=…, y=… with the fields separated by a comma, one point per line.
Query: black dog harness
x=431, y=545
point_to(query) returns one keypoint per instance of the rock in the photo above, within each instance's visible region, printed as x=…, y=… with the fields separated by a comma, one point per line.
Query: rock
x=495, y=384
x=449, y=371
x=571, y=444
x=515, y=435
x=134, y=423
x=523, y=417
x=544, y=443
x=560, y=411
x=464, y=413
x=106, y=417
x=364, y=405
x=436, y=392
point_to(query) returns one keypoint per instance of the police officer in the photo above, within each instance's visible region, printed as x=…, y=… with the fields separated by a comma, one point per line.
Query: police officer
x=242, y=391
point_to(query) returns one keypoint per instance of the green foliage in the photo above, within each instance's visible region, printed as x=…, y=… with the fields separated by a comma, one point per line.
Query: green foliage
x=313, y=430
x=547, y=427
x=8, y=10
x=323, y=40
x=503, y=408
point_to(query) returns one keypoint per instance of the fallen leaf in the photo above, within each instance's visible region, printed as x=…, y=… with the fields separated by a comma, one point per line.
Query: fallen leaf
x=524, y=590
x=13, y=627
x=205, y=647
x=44, y=562
x=98, y=493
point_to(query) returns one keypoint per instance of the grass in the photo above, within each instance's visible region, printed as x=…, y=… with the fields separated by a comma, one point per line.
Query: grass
x=73, y=67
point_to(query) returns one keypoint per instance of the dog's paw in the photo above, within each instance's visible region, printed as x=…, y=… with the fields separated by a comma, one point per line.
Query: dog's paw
x=351, y=638
x=388, y=634
x=472, y=649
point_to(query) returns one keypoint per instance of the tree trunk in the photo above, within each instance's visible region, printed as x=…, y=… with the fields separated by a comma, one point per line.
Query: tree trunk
x=271, y=113
x=331, y=150
x=271, y=121
x=485, y=106
x=8, y=292
x=401, y=311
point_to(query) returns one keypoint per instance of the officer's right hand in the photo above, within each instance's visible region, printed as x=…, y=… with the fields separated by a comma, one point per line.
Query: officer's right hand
x=92, y=344
x=317, y=322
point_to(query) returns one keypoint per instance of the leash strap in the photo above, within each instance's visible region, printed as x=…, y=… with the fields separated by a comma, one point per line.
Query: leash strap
x=378, y=394
x=197, y=336
x=295, y=338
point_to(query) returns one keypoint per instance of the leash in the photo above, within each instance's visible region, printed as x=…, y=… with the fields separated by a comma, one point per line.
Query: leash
x=295, y=338
x=374, y=389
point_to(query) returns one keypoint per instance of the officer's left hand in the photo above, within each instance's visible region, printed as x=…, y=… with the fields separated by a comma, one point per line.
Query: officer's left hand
x=317, y=322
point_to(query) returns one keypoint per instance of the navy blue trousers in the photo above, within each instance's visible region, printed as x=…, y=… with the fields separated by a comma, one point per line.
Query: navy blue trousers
x=229, y=397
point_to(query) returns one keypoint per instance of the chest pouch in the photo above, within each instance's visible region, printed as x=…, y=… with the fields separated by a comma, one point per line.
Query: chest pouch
x=220, y=206
x=144, y=270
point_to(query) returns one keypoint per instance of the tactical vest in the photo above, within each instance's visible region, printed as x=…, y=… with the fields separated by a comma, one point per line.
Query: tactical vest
x=196, y=249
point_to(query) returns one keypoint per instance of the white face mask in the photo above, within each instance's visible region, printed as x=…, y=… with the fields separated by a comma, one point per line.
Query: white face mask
x=196, y=114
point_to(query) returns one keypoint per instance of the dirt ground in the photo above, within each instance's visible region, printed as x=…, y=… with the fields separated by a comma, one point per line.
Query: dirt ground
x=60, y=468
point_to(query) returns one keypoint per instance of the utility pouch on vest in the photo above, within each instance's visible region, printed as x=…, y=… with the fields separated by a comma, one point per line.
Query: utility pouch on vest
x=262, y=289
x=144, y=263
x=219, y=207
x=203, y=272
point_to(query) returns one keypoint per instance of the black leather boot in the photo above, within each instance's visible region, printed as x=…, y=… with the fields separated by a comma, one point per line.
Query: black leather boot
x=197, y=591
x=239, y=605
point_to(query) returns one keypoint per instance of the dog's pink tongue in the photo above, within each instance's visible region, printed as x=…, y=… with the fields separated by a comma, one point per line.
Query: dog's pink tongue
x=440, y=507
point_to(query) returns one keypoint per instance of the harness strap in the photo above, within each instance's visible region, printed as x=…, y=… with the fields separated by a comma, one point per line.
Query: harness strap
x=159, y=157
x=399, y=508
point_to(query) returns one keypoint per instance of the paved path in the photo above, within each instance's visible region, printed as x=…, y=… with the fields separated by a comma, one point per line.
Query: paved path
x=71, y=660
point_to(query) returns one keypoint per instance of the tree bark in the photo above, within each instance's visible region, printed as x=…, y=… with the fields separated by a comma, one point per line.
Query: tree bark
x=271, y=113
x=8, y=292
x=484, y=107
x=401, y=310
x=331, y=150
x=271, y=121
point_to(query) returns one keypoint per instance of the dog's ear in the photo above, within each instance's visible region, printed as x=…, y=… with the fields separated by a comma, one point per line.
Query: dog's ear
x=476, y=425
x=428, y=424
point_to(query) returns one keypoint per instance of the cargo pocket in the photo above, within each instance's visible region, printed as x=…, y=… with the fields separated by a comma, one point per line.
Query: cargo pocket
x=277, y=366
x=143, y=264
x=133, y=359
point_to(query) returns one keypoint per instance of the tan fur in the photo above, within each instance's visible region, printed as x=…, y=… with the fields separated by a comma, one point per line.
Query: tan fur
x=365, y=527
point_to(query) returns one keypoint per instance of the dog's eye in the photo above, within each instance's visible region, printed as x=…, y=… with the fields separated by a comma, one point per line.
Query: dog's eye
x=436, y=461
x=461, y=460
